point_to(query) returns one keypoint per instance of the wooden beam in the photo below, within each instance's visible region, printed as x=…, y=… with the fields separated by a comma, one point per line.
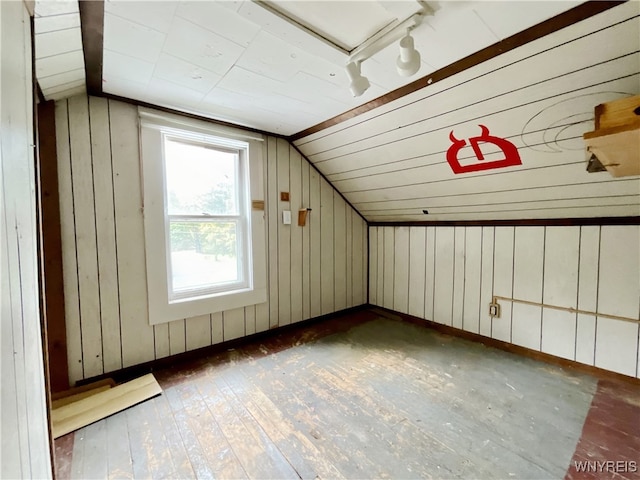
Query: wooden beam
x=52, y=249
x=92, y=28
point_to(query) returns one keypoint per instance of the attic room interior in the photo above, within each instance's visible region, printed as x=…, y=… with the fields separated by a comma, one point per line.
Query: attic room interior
x=320, y=239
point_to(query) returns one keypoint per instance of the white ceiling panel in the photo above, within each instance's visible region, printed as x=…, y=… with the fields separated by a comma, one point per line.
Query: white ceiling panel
x=186, y=74
x=62, y=78
x=157, y=15
x=59, y=59
x=201, y=47
x=57, y=22
x=536, y=101
x=59, y=41
x=214, y=17
x=126, y=67
x=131, y=38
x=52, y=8
x=59, y=63
x=503, y=23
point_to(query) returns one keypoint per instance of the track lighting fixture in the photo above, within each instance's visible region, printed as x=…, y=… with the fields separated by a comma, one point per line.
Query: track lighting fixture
x=408, y=62
x=359, y=84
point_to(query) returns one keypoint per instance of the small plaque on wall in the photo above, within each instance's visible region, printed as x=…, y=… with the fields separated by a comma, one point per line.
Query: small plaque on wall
x=257, y=205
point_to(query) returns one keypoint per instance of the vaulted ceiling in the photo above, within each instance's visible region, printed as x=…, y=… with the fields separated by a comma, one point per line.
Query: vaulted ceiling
x=520, y=79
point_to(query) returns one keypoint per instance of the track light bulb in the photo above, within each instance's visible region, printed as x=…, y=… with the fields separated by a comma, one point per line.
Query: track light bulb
x=408, y=61
x=359, y=84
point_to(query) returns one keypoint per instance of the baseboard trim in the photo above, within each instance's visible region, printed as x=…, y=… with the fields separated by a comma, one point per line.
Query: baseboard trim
x=600, y=373
x=128, y=373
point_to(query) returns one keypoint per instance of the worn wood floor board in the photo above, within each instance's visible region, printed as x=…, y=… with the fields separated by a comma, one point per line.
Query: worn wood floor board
x=307, y=460
x=179, y=457
x=219, y=454
x=377, y=398
x=255, y=450
x=95, y=452
x=119, y=461
x=197, y=457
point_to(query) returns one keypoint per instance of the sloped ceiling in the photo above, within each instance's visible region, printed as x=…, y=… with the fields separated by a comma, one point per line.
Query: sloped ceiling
x=238, y=62
x=393, y=162
x=385, y=151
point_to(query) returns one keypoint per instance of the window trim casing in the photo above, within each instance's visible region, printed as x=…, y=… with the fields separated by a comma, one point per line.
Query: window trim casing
x=152, y=125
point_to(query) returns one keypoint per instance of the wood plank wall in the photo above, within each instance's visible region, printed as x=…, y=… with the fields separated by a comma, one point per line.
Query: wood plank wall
x=311, y=270
x=450, y=274
x=391, y=162
x=24, y=433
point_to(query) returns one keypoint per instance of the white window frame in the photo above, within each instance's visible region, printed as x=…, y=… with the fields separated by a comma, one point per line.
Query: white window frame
x=164, y=305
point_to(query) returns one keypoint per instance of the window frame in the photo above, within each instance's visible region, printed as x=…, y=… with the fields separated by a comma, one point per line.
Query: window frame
x=163, y=305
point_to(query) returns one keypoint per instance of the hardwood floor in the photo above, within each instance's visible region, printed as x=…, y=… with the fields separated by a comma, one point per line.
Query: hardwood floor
x=360, y=397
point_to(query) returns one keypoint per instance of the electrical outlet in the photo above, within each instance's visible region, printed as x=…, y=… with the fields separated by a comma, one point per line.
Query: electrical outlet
x=494, y=310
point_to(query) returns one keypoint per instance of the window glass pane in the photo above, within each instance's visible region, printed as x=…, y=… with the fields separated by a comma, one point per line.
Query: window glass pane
x=200, y=180
x=203, y=254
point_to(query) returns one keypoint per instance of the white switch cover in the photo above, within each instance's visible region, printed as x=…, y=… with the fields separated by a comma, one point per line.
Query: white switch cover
x=286, y=217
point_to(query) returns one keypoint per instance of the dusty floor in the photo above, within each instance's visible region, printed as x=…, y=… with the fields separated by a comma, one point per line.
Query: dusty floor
x=376, y=399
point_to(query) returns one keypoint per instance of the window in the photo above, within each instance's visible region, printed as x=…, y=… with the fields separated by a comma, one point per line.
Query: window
x=204, y=244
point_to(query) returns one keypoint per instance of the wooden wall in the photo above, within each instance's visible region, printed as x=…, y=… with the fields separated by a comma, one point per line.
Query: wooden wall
x=24, y=433
x=391, y=162
x=450, y=274
x=315, y=270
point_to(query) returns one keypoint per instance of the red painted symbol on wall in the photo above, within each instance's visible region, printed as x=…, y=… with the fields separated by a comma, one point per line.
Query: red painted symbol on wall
x=511, y=155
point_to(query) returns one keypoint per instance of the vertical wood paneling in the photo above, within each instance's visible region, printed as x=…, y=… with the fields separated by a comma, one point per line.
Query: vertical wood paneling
x=273, y=199
x=443, y=291
x=24, y=434
x=327, y=287
x=430, y=272
x=137, y=335
x=417, y=258
x=401, y=270
x=618, y=294
x=295, y=187
x=339, y=252
x=177, y=337
x=373, y=265
x=457, y=308
x=349, y=255
x=161, y=340
x=105, y=233
x=68, y=233
x=486, y=280
x=360, y=255
x=249, y=320
x=503, y=280
x=388, y=285
x=380, y=262
x=198, y=332
x=587, y=293
x=284, y=236
x=85, y=218
x=308, y=267
x=560, y=266
x=233, y=324
x=217, y=328
x=306, y=241
x=561, y=261
x=315, y=301
x=527, y=285
x=472, y=272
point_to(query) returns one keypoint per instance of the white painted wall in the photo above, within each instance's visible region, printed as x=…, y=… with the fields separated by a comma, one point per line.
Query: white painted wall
x=312, y=270
x=449, y=275
x=24, y=433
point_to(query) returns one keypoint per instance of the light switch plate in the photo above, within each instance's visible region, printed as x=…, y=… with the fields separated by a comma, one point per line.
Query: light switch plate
x=286, y=217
